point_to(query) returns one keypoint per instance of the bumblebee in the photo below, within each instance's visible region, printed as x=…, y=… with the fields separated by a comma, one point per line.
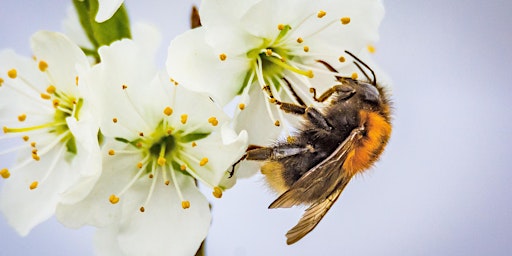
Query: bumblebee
x=335, y=142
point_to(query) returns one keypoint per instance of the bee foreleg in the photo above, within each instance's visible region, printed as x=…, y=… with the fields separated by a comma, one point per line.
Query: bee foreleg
x=343, y=90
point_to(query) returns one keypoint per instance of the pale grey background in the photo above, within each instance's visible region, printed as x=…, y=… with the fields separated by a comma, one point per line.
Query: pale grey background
x=443, y=187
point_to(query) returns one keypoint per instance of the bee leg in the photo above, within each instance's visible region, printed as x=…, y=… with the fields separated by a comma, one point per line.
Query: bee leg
x=343, y=90
x=249, y=149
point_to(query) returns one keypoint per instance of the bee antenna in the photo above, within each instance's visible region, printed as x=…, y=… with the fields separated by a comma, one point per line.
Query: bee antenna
x=374, y=81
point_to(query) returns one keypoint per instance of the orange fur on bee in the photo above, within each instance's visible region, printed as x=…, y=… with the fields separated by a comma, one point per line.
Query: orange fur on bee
x=371, y=145
x=273, y=173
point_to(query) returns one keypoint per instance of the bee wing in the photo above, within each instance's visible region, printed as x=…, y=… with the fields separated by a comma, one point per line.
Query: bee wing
x=313, y=215
x=326, y=176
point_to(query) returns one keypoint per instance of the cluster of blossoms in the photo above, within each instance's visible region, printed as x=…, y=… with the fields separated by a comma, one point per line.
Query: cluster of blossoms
x=105, y=138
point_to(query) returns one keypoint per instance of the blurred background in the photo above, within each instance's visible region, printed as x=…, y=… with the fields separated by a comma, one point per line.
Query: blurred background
x=443, y=186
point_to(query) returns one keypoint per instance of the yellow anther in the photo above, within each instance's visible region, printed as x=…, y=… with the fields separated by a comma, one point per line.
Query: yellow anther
x=151, y=176
x=185, y=204
x=124, y=86
x=268, y=52
x=25, y=138
x=310, y=74
x=34, y=151
x=113, y=199
x=5, y=173
x=371, y=48
x=168, y=111
x=33, y=144
x=174, y=81
x=13, y=73
x=167, y=182
x=300, y=40
x=141, y=134
x=321, y=14
x=139, y=165
x=277, y=123
x=354, y=76
x=203, y=161
x=33, y=185
x=217, y=192
x=213, y=121
x=1, y=81
x=306, y=48
x=141, y=209
x=45, y=96
x=36, y=157
x=183, y=167
x=345, y=20
x=76, y=80
x=280, y=26
x=241, y=106
x=111, y=152
x=169, y=131
x=341, y=59
x=50, y=89
x=43, y=65
x=22, y=117
x=223, y=56
x=161, y=161
x=114, y=120
x=55, y=103
x=194, y=144
x=184, y=118
x=6, y=130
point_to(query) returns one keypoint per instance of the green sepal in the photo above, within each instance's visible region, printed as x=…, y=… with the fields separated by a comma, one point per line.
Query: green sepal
x=99, y=34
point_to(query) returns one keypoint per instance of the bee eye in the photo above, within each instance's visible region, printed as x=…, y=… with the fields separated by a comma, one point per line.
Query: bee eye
x=369, y=93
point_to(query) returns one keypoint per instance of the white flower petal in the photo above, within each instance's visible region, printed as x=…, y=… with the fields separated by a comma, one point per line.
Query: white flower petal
x=62, y=57
x=25, y=208
x=107, y=8
x=106, y=243
x=165, y=226
x=197, y=66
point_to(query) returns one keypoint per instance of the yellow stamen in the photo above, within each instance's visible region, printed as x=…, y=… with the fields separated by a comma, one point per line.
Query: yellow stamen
x=354, y=76
x=141, y=134
x=139, y=165
x=43, y=65
x=185, y=204
x=167, y=182
x=13, y=73
x=55, y=103
x=184, y=118
x=151, y=176
x=34, y=151
x=268, y=52
x=371, y=48
x=280, y=26
x=22, y=117
x=161, y=161
x=341, y=59
x=194, y=144
x=306, y=48
x=183, y=167
x=141, y=209
x=308, y=73
x=5, y=173
x=1, y=81
x=241, y=106
x=168, y=111
x=124, y=86
x=113, y=199
x=223, y=56
x=169, y=131
x=33, y=144
x=76, y=80
x=111, y=152
x=45, y=96
x=114, y=120
x=25, y=138
x=213, y=121
x=36, y=157
x=33, y=185
x=277, y=123
x=217, y=192
x=203, y=161
x=321, y=14
x=50, y=89
x=345, y=20
x=300, y=40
